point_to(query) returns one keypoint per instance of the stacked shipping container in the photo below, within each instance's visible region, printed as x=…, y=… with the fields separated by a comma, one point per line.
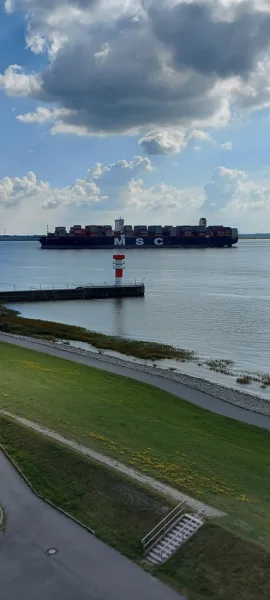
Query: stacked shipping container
x=143, y=231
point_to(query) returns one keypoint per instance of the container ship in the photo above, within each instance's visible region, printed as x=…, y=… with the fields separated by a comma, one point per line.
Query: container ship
x=140, y=236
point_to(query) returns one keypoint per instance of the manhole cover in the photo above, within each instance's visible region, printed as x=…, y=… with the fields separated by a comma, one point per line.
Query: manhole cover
x=51, y=551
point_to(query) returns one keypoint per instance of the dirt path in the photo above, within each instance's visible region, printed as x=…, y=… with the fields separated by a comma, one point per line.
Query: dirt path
x=114, y=464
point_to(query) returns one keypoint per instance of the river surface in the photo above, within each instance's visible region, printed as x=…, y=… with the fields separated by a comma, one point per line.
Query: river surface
x=215, y=302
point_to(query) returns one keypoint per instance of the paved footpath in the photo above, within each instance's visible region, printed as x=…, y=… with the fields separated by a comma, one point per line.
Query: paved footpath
x=189, y=394
x=83, y=568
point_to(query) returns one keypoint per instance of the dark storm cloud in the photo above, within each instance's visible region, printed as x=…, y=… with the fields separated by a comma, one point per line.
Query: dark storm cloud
x=128, y=88
x=155, y=71
x=200, y=40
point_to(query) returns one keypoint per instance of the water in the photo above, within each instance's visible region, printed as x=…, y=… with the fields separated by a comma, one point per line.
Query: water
x=215, y=301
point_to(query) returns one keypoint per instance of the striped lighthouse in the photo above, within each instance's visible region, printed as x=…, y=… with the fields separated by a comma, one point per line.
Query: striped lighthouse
x=119, y=261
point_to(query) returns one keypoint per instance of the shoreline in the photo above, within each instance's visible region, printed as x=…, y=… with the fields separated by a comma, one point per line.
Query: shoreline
x=247, y=401
x=147, y=352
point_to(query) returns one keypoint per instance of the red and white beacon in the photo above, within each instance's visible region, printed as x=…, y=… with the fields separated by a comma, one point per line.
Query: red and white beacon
x=119, y=264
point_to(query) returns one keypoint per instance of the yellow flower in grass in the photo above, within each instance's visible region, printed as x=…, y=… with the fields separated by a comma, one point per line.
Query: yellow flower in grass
x=38, y=367
x=183, y=475
x=243, y=498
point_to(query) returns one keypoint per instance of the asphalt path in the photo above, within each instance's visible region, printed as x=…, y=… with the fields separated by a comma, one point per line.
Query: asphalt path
x=189, y=394
x=83, y=567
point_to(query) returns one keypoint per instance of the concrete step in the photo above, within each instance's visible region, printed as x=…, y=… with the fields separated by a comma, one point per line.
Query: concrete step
x=193, y=519
x=179, y=534
x=174, y=539
x=154, y=557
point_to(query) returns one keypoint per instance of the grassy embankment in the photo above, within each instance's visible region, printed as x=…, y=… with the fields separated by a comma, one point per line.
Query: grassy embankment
x=109, y=503
x=212, y=458
x=214, y=564
x=12, y=322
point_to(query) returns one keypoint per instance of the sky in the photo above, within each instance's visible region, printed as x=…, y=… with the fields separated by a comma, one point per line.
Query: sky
x=155, y=110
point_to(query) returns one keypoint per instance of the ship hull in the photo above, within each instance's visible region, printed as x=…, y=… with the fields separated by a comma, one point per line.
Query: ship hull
x=124, y=242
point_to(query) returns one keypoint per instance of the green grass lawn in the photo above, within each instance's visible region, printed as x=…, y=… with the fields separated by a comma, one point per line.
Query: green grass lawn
x=217, y=565
x=214, y=564
x=214, y=459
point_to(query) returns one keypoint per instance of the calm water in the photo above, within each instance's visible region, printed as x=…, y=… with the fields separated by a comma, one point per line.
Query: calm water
x=215, y=302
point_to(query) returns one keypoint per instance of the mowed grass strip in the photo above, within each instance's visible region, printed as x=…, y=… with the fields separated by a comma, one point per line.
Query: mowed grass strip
x=214, y=564
x=217, y=460
x=219, y=565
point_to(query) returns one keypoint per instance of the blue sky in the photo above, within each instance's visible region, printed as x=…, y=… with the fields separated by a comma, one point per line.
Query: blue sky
x=109, y=117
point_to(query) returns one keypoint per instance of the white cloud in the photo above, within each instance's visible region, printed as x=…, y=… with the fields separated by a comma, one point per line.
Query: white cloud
x=172, y=141
x=231, y=197
x=69, y=129
x=104, y=189
x=42, y=115
x=232, y=193
x=196, y=148
x=15, y=190
x=120, y=172
x=9, y=6
x=202, y=136
x=100, y=187
x=253, y=94
x=226, y=146
x=161, y=197
x=19, y=190
x=15, y=82
x=56, y=118
x=102, y=184
x=122, y=66
x=164, y=141
x=82, y=194
x=223, y=188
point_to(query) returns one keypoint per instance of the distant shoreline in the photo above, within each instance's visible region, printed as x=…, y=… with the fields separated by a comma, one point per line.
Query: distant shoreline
x=254, y=236
x=19, y=238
